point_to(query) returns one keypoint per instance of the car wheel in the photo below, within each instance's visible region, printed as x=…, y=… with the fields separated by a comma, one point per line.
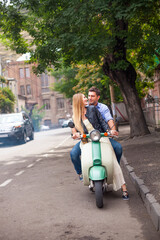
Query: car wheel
x=32, y=136
x=24, y=138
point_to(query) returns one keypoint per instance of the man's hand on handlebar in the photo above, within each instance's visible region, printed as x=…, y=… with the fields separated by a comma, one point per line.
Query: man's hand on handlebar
x=112, y=127
x=114, y=132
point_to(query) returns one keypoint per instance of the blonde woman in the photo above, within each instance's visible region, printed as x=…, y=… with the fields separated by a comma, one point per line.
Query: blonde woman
x=87, y=118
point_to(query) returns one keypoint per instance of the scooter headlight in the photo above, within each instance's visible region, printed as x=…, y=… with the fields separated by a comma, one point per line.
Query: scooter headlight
x=95, y=135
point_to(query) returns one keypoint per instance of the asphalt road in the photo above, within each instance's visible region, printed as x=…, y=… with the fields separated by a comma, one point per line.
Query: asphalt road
x=42, y=198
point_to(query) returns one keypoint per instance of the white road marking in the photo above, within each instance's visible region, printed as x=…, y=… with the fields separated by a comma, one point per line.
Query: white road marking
x=40, y=159
x=62, y=142
x=19, y=173
x=6, y=183
x=30, y=165
x=51, y=150
x=13, y=162
x=45, y=155
x=9, y=163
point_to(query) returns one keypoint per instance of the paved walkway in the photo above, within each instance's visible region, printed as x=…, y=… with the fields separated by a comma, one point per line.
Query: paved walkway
x=141, y=158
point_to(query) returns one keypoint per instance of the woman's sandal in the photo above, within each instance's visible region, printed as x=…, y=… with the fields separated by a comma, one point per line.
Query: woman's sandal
x=125, y=195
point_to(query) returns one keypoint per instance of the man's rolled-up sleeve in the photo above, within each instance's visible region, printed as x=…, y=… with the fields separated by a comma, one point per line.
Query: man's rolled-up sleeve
x=106, y=113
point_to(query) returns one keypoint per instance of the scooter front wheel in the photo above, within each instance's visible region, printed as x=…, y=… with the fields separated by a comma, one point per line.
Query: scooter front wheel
x=98, y=185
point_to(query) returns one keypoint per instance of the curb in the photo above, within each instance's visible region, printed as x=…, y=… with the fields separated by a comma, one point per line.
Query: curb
x=151, y=204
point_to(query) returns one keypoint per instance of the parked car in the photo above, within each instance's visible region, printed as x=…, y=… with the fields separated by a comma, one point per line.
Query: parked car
x=16, y=126
x=44, y=128
x=65, y=123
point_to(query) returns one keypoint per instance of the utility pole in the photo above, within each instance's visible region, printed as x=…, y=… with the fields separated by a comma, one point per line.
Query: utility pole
x=0, y=66
x=111, y=88
x=2, y=83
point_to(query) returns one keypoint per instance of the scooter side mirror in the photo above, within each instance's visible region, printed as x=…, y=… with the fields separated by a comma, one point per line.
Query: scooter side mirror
x=71, y=124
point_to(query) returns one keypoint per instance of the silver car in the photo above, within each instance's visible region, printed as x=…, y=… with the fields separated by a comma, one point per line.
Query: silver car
x=16, y=126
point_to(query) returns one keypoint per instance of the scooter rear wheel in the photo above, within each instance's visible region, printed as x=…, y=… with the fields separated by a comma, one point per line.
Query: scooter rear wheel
x=99, y=193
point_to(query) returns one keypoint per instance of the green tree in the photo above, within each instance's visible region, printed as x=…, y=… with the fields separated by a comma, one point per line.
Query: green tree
x=65, y=80
x=80, y=77
x=7, y=100
x=92, y=75
x=91, y=30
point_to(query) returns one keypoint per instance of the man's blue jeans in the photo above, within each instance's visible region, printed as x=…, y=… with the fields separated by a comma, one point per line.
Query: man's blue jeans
x=76, y=153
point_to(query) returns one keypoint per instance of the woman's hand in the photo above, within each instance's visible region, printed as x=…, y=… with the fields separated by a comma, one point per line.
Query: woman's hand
x=76, y=135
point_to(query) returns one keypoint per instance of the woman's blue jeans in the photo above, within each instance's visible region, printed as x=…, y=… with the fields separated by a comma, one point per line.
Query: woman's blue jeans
x=76, y=153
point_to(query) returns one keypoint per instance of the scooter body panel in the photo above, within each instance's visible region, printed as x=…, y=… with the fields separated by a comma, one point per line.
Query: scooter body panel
x=97, y=173
x=107, y=155
x=96, y=153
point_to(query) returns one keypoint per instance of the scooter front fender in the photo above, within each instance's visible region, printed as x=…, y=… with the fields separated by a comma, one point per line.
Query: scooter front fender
x=97, y=173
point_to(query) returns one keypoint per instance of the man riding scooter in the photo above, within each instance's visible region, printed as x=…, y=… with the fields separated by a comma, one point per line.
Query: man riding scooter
x=93, y=97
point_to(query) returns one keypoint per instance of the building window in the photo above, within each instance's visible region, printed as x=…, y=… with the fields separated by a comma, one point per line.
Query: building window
x=44, y=80
x=27, y=71
x=28, y=89
x=46, y=103
x=44, y=90
x=21, y=73
x=22, y=90
x=47, y=122
x=60, y=103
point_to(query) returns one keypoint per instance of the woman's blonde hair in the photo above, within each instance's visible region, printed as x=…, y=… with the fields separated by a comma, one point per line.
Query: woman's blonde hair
x=78, y=106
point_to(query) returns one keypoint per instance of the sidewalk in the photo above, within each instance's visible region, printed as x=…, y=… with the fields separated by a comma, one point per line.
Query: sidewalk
x=141, y=158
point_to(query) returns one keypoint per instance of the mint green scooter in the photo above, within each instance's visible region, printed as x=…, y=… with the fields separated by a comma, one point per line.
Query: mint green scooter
x=97, y=163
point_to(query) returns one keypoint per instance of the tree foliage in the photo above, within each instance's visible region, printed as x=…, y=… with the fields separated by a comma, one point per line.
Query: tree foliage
x=7, y=100
x=82, y=30
x=124, y=36
x=65, y=80
x=80, y=77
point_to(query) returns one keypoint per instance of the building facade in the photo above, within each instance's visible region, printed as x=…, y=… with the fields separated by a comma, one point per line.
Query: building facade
x=31, y=90
x=151, y=105
x=57, y=107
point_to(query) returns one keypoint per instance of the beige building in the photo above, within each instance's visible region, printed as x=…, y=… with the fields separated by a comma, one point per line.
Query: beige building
x=57, y=107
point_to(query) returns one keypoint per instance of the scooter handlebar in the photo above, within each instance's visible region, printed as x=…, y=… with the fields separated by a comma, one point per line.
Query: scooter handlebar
x=106, y=134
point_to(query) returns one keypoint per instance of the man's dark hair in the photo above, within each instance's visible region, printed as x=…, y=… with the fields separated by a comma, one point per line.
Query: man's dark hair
x=96, y=90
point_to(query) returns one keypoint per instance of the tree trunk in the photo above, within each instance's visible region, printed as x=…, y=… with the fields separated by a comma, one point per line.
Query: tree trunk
x=126, y=82
x=125, y=79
